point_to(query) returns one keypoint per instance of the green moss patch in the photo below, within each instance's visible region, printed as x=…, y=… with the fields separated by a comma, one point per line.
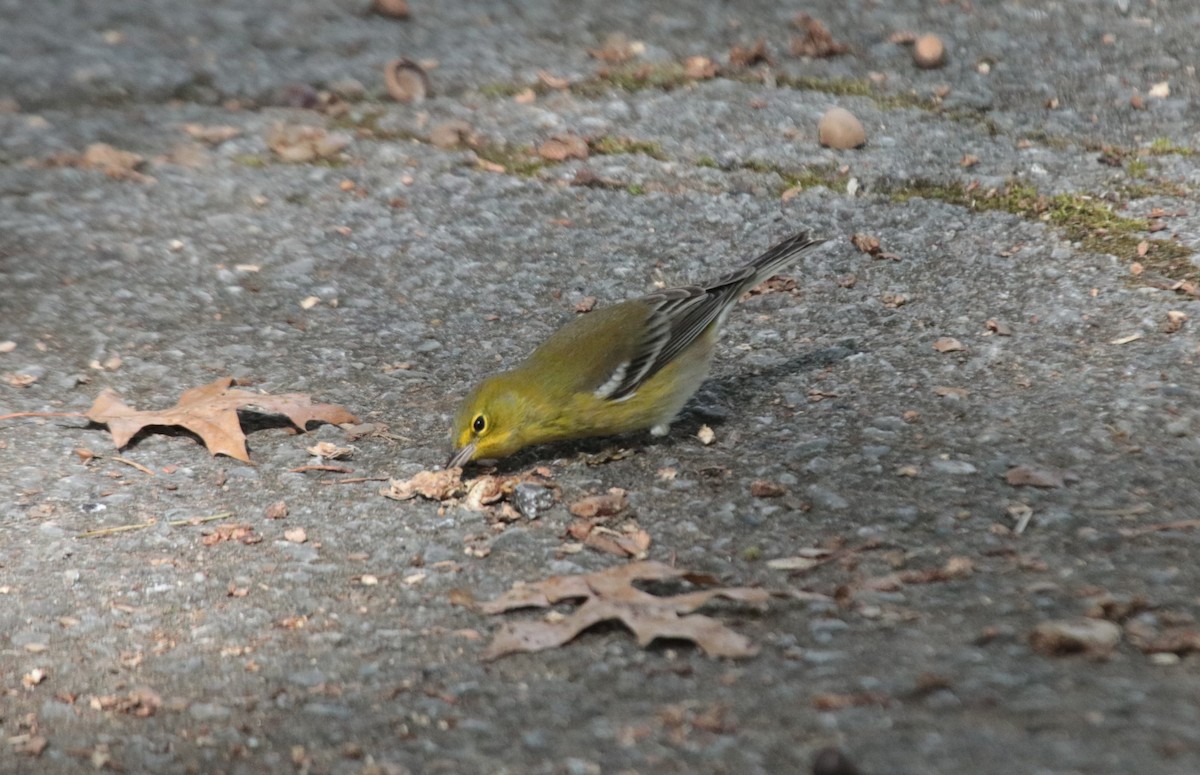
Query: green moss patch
x=1088, y=220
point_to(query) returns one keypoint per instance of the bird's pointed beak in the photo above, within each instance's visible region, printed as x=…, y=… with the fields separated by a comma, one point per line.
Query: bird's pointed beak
x=461, y=456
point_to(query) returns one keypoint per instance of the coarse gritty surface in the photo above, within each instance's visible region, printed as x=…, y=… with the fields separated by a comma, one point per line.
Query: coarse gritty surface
x=277, y=656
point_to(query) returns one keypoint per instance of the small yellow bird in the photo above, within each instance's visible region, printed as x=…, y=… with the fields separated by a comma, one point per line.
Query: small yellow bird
x=621, y=368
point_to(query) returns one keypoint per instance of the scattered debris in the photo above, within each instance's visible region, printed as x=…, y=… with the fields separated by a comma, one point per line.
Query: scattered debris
x=563, y=147
x=794, y=563
x=453, y=134
x=329, y=451
x=699, y=68
x=616, y=49
x=997, y=327
x=211, y=134
x=747, y=56
x=871, y=246
x=553, y=81
x=1175, y=321
x=407, y=81
x=241, y=533
x=142, y=702
x=598, y=506
x=112, y=161
x=834, y=701
x=301, y=143
x=1059, y=637
x=762, y=488
x=948, y=344
x=815, y=40
x=1034, y=476
x=1161, y=527
x=532, y=498
x=431, y=485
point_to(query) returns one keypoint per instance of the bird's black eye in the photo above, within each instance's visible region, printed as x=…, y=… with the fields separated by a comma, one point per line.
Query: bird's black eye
x=479, y=424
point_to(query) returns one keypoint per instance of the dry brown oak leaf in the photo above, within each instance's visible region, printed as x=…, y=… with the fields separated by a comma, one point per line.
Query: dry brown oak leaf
x=609, y=595
x=211, y=412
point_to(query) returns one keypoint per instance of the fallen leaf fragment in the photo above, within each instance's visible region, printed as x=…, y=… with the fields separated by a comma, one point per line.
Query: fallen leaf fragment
x=706, y=435
x=1175, y=321
x=528, y=493
x=33, y=678
x=299, y=143
x=599, y=506
x=211, y=134
x=432, y=485
x=1174, y=640
x=610, y=595
x=553, y=81
x=1126, y=339
x=866, y=243
x=699, y=68
x=793, y=563
x=563, y=147
x=1059, y=637
x=117, y=164
x=452, y=134
x=241, y=533
x=28, y=744
x=815, y=40
x=617, y=49
x=330, y=451
x=948, y=344
x=211, y=412
x=296, y=535
x=957, y=567
x=141, y=702
x=483, y=492
x=762, y=488
x=834, y=701
x=1033, y=476
x=998, y=328
x=747, y=56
